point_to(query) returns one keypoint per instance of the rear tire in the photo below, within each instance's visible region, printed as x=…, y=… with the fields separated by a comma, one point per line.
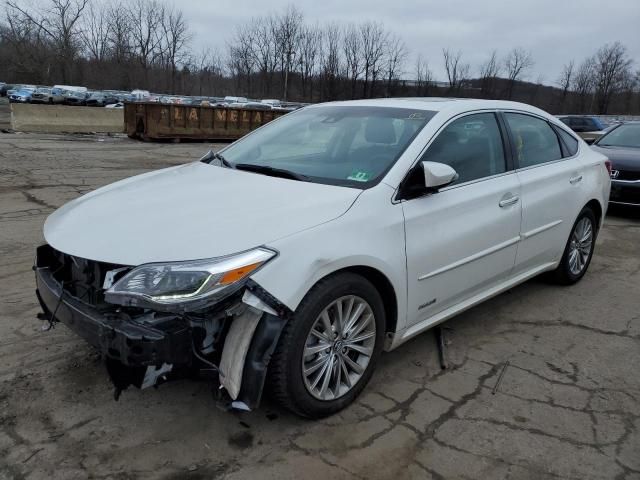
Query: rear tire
x=296, y=377
x=579, y=249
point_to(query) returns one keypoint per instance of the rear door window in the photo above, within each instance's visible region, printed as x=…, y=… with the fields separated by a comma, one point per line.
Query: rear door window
x=534, y=140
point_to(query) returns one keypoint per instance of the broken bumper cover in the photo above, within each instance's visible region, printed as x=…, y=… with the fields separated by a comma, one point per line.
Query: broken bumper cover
x=143, y=347
x=131, y=343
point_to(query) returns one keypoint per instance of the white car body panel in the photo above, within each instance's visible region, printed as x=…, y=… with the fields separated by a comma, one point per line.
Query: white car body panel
x=192, y=211
x=460, y=242
x=550, y=205
x=463, y=245
x=370, y=234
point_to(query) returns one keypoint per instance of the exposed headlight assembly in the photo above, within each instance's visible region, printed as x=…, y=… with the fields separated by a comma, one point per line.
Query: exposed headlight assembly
x=180, y=286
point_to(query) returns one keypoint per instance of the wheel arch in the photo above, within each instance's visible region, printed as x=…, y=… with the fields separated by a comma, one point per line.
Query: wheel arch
x=595, y=206
x=384, y=287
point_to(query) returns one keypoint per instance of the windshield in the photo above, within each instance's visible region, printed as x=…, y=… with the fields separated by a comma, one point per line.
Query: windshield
x=339, y=145
x=625, y=135
x=600, y=125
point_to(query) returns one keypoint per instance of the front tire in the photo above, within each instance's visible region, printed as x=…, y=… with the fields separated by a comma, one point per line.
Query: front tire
x=579, y=249
x=329, y=348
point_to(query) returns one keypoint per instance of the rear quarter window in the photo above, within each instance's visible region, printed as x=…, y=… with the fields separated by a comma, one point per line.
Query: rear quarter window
x=569, y=141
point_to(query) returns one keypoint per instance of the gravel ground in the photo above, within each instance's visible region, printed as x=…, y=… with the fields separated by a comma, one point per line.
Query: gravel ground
x=568, y=405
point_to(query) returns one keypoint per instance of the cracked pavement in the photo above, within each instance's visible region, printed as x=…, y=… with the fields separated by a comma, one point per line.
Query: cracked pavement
x=568, y=404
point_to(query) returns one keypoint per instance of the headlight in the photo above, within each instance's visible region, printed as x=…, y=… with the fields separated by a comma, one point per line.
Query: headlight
x=186, y=285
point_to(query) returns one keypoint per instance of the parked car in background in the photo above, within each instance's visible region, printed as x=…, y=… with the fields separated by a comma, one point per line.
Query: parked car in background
x=231, y=99
x=140, y=95
x=47, y=95
x=271, y=101
x=101, y=99
x=75, y=98
x=115, y=105
x=21, y=96
x=71, y=88
x=621, y=145
x=17, y=87
x=251, y=105
x=4, y=88
x=398, y=217
x=589, y=128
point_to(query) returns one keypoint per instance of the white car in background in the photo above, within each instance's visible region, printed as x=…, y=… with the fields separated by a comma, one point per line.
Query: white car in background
x=299, y=253
x=48, y=95
x=230, y=99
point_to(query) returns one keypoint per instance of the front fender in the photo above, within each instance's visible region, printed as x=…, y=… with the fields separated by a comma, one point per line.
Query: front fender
x=370, y=234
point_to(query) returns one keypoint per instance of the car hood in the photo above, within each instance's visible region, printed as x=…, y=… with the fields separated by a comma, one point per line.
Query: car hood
x=190, y=212
x=627, y=159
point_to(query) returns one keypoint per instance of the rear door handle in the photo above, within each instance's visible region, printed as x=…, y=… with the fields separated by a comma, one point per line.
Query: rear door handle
x=505, y=202
x=574, y=180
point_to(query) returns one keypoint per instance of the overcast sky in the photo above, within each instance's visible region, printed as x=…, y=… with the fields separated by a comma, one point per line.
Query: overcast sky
x=554, y=30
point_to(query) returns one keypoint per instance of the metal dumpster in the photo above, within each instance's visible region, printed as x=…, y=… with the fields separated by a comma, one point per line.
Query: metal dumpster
x=155, y=121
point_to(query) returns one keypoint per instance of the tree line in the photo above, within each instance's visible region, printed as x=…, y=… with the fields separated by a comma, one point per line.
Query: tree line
x=149, y=44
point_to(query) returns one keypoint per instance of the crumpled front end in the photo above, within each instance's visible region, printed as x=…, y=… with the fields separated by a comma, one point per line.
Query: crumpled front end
x=229, y=341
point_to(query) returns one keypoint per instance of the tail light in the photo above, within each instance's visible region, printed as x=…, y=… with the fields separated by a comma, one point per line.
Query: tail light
x=607, y=163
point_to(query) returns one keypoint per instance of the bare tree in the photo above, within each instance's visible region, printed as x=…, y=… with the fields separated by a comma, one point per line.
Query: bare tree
x=175, y=39
x=265, y=50
x=352, y=48
x=59, y=20
x=30, y=46
x=146, y=43
x=145, y=19
x=119, y=33
x=516, y=63
x=489, y=71
x=584, y=82
x=373, y=40
x=95, y=32
x=209, y=66
x=241, y=57
x=457, y=71
x=287, y=32
x=309, y=51
x=396, y=54
x=612, y=68
x=330, y=53
x=565, y=81
x=424, y=77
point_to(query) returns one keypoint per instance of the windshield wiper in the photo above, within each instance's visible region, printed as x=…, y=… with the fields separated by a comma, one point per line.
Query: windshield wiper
x=272, y=171
x=211, y=156
x=224, y=161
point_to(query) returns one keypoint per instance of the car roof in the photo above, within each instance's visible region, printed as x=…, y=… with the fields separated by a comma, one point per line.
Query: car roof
x=438, y=104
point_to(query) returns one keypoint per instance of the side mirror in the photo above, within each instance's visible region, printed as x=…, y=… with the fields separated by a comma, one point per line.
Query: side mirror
x=590, y=141
x=438, y=175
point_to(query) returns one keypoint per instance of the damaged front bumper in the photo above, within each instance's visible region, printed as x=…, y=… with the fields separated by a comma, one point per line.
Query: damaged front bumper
x=142, y=347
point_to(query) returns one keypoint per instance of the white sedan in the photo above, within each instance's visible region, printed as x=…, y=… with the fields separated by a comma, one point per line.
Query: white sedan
x=299, y=253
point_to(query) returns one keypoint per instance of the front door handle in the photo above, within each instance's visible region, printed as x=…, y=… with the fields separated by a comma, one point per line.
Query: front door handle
x=574, y=180
x=505, y=202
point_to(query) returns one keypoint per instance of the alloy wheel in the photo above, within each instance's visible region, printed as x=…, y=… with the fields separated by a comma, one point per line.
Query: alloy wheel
x=338, y=347
x=580, y=246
